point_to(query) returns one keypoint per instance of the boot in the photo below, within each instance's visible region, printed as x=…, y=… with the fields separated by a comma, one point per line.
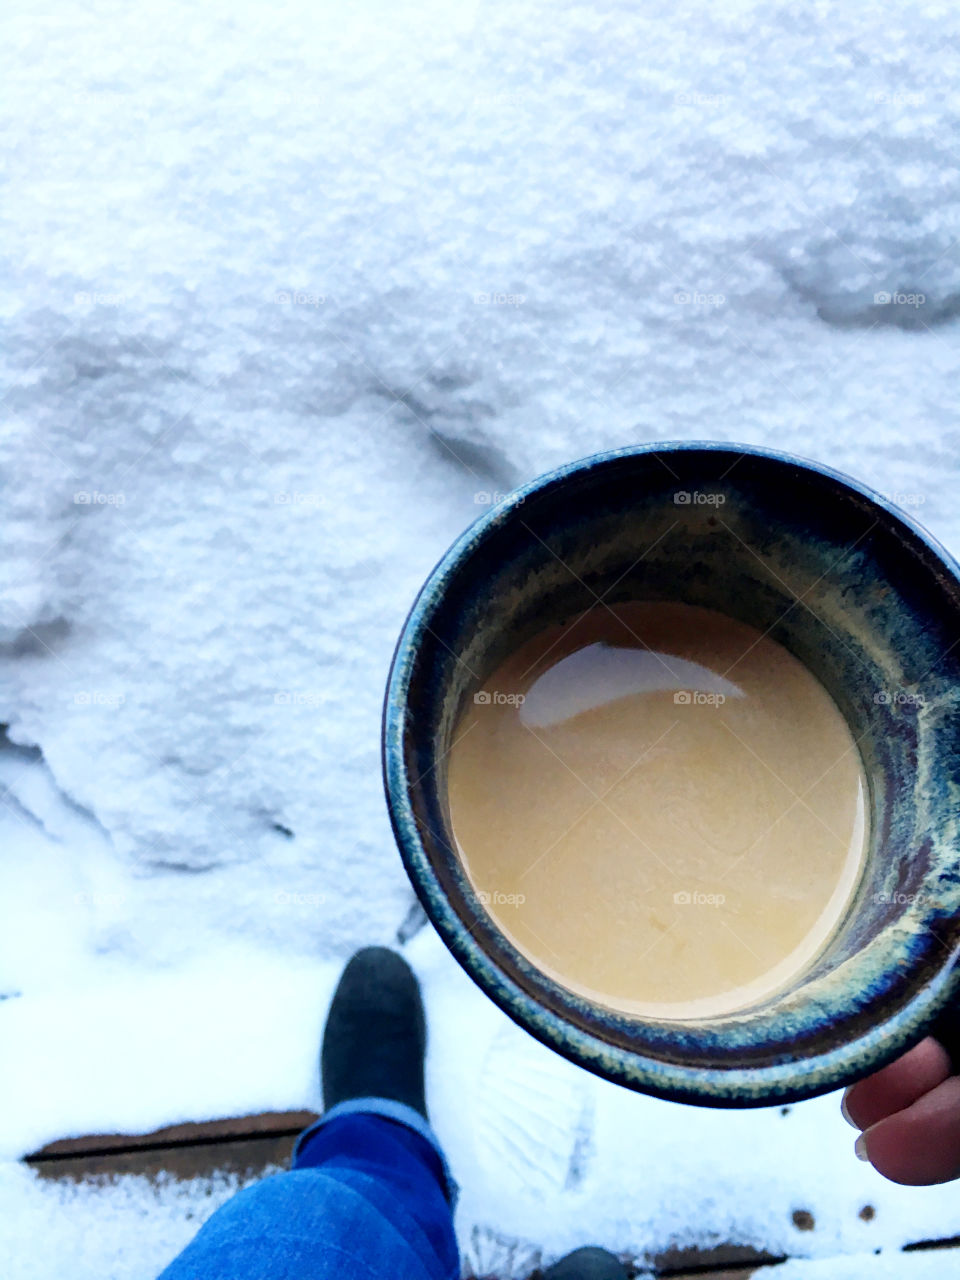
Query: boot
x=375, y=1038
x=587, y=1264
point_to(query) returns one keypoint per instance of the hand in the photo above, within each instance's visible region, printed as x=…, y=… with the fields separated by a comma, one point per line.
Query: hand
x=910, y=1116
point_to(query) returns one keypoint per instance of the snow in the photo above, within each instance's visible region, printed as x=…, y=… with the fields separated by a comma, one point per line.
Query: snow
x=292, y=293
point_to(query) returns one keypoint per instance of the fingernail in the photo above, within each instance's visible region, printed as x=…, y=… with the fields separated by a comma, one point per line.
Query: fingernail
x=843, y=1109
x=860, y=1147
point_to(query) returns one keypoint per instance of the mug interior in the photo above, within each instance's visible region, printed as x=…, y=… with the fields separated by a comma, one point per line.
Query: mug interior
x=854, y=591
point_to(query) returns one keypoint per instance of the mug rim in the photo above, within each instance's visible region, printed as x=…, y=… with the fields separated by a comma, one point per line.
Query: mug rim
x=739, y=1086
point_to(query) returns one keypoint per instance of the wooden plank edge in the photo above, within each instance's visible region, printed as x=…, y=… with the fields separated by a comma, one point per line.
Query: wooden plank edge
x=267, y=1124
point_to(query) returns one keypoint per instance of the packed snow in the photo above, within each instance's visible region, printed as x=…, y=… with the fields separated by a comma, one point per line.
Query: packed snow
x=291, y=294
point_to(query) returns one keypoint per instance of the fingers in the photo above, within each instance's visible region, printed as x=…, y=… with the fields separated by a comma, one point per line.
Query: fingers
x=919, y=1145
x=910, y=1115
x=896, y=1086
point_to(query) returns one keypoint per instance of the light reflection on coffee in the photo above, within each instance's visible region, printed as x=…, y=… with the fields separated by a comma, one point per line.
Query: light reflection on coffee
x=661, y=807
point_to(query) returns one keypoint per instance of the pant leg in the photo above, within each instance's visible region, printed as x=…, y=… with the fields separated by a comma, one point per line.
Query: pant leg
x=368, y=1198
x=400, y=1172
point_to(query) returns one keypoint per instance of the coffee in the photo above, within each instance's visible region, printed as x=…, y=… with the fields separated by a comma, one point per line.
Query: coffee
x=661, y=807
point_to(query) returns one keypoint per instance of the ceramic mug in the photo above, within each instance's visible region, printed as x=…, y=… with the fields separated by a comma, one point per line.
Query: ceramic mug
x=847, y=582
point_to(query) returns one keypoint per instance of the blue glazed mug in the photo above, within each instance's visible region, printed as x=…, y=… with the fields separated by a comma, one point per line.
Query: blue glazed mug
x=856, y=590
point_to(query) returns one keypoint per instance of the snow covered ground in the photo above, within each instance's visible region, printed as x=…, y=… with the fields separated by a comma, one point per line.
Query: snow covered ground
x=290, y=291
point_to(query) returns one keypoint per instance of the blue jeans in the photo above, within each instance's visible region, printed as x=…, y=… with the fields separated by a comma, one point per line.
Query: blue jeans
x=368, y=1197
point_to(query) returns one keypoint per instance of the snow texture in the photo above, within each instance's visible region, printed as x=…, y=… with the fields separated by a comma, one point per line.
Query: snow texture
x=291, y=293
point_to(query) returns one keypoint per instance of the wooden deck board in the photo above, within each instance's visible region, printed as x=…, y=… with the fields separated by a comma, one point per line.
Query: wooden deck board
x=242, y=1145
x=726, y=1258
x=249, y=1146
x=266, y=1123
